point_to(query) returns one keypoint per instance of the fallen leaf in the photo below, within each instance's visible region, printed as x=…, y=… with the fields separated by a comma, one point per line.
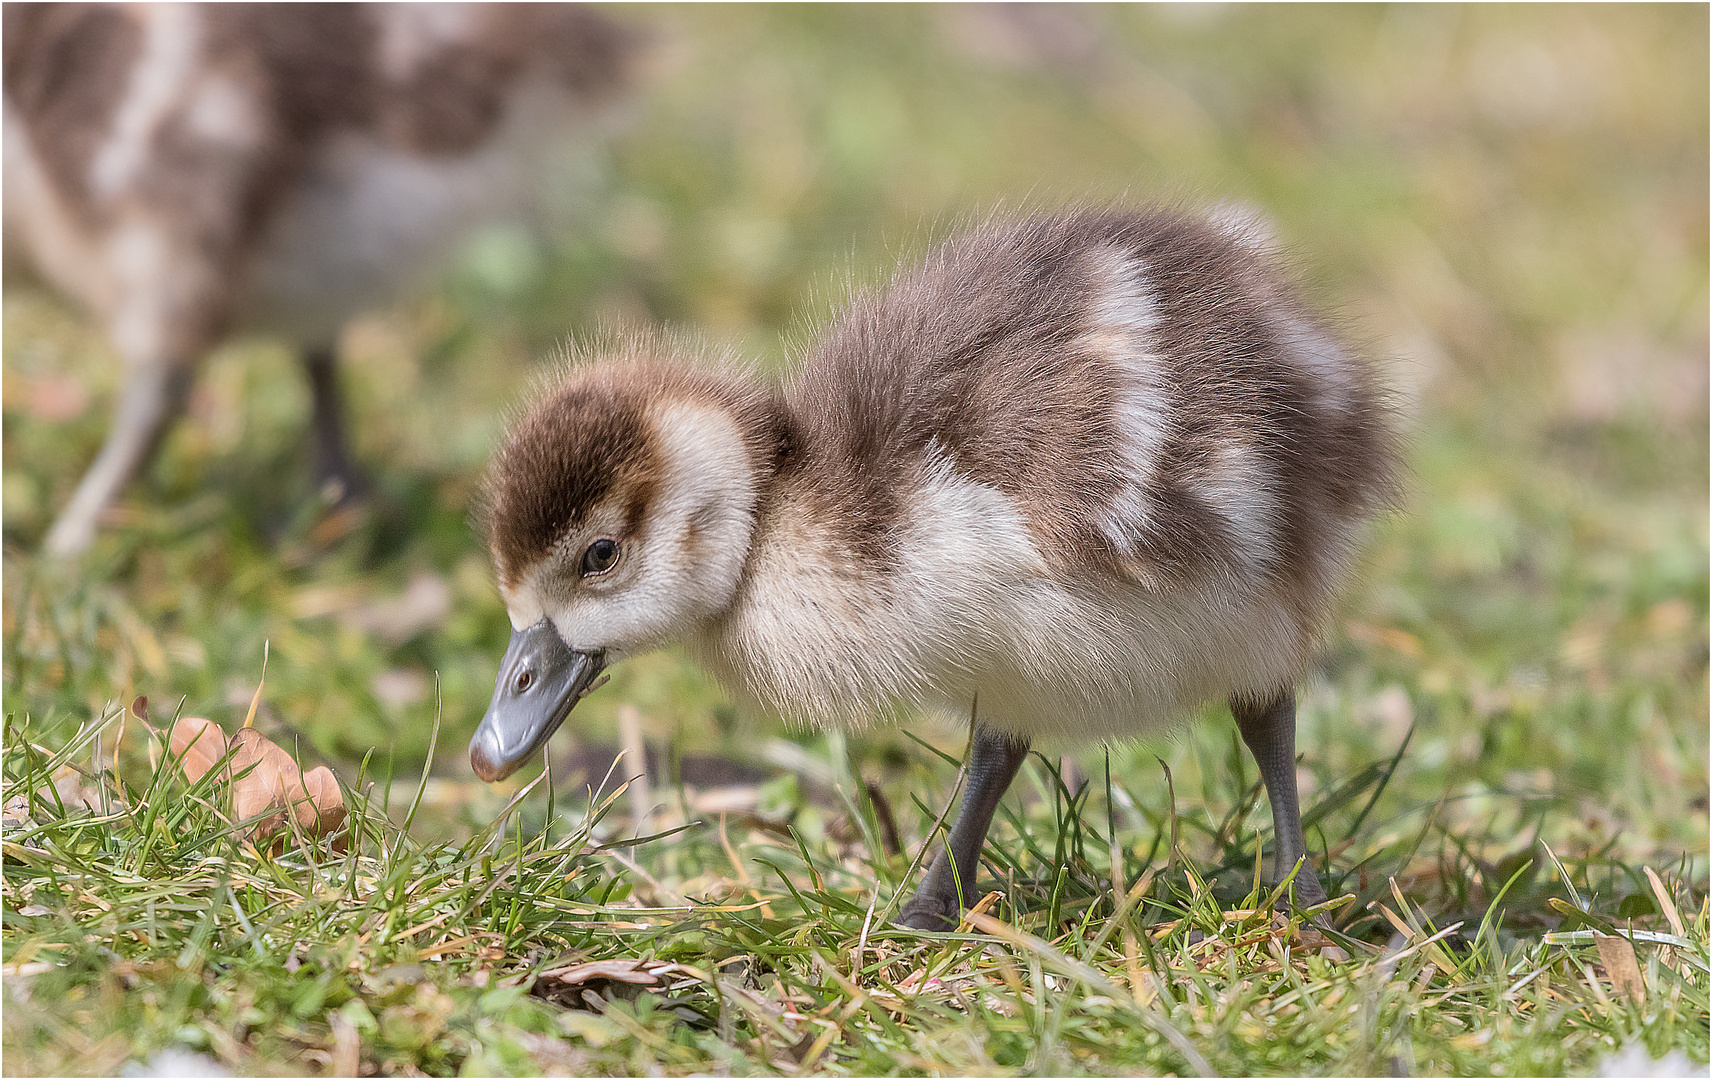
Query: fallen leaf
x=266, y=781
x=276, y=783
x=325, y=810
x=260, y=770
x=340, y=523
x=1618, y=958
x=197, y=745
x=346, y=1056
x=1669, y=617
x=583, y=985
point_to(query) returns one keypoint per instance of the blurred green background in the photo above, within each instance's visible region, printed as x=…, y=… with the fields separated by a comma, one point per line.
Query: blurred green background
x=1507, y=206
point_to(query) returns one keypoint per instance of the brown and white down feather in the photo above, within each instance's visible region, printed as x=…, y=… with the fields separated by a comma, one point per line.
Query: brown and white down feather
x=185, y=170
x=1089, y=470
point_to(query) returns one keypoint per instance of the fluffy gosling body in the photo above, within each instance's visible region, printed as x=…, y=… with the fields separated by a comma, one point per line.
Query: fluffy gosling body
x=1087, y=470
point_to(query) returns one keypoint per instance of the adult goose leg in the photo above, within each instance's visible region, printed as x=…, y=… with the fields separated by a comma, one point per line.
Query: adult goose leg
x=1269, y=729
x=993, y=763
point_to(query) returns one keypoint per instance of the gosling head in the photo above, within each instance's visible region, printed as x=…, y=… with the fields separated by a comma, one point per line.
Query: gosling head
x=619, y=513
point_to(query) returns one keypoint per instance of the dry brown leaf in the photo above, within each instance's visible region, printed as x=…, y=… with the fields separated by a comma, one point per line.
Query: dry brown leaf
x=276, y=783
x=261, y=771
x=324, y=810
x=1618, y=958
x=592, y=985
x=197, y=745
x=266, y=781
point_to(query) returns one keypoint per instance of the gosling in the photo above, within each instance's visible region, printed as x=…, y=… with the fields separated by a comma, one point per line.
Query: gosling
x=186, y=170
x=1080, y=472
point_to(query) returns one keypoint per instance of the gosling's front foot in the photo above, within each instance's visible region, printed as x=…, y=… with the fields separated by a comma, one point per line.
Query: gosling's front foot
x=994, y=758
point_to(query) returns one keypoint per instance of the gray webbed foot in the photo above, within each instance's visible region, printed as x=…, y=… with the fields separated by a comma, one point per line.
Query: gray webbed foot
x=1269, y=729
x=926, y=912
x=994, y=759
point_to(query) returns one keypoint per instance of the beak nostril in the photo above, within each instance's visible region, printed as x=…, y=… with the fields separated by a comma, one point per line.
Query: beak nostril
x=538, y=683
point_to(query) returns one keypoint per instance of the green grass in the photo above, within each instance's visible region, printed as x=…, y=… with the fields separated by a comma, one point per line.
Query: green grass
x=1509, y=206
x=148, y=923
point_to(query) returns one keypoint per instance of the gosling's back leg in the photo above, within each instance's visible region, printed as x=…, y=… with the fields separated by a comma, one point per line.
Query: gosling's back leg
x=1269, y=729
x=994, y=759
x=151, y=400
x=336, y=478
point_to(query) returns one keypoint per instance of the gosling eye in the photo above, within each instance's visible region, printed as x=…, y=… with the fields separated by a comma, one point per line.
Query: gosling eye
x=601, y=556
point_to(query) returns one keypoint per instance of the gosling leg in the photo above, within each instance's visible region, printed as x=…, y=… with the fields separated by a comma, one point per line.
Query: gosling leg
x=1269, y=729
x=152, y=398
x=335, y=477
x=993, y=763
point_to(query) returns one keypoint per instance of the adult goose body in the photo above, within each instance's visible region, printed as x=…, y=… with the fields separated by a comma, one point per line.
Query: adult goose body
x=1080, y=472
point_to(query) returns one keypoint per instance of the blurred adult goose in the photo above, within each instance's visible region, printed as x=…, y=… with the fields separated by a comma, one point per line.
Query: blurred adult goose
x=1084, y=471
x=185, y=170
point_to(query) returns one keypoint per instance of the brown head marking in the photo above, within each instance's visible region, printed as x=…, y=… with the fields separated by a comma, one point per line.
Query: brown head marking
x=579, y=445
x=590, y=441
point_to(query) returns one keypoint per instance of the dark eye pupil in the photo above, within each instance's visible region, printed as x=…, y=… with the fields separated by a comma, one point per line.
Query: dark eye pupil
x=600, y=556
x=524, y=680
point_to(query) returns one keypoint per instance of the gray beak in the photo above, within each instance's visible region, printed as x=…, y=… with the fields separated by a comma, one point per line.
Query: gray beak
x=539, y=680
